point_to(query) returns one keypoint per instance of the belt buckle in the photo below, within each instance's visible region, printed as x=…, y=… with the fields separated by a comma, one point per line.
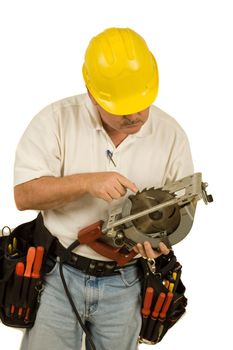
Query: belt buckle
x=100, y=268
x=95, y=268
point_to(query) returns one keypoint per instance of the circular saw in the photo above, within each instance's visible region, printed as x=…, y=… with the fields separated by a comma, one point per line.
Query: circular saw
x=156, y=214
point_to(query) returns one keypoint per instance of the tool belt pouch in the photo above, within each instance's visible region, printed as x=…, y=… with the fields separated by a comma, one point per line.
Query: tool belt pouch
x=20, y=295
x=163, y=300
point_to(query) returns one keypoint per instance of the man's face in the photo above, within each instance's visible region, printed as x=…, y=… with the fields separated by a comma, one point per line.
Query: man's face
x=125, y=124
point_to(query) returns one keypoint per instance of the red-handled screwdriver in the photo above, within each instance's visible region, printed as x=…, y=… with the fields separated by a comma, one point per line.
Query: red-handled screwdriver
x=159, y=326
x=146, y=310
x=166, y=306
x=35, y=275
x=152, y=321
x=158, y=305
x=38, y=262
x=19, y=271
x=29, y=262
x=162, y=316
x=147, y=301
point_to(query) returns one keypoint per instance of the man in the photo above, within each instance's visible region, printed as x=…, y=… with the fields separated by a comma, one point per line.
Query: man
x=78, y=158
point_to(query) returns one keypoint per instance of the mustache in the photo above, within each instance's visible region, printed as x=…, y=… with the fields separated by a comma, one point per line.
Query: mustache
x=127, y=121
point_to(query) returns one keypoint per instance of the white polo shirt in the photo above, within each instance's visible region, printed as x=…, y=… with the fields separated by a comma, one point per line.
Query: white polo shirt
x=67, y=137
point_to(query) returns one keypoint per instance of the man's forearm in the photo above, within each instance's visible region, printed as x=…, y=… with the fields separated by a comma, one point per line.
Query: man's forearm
x=54, y=192
x=50, y=192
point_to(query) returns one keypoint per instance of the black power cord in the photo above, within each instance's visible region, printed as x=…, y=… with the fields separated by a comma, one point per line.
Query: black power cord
x=88, y=336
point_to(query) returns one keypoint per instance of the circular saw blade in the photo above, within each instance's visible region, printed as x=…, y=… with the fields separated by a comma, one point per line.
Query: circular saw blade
x=165, y=219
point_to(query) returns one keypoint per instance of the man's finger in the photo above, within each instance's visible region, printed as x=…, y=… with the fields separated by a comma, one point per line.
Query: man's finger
x=114, y=194
x=128, y=184
x=163, y=248
x=141, y=250
x=106, y=197
x=147, y=251
x=121, y=189
x=150, y=252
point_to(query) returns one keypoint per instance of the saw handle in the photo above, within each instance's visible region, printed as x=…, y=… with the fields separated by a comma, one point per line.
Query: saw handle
x=113, y=253
x=90, y=233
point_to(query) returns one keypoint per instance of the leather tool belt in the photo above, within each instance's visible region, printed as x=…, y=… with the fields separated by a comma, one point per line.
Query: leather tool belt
x=22, y=266
x=23, y=257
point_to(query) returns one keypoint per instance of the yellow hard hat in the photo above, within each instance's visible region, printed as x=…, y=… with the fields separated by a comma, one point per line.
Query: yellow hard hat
x=120, y=72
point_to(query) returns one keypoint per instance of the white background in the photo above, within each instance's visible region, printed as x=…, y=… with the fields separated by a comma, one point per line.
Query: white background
x=42, y=49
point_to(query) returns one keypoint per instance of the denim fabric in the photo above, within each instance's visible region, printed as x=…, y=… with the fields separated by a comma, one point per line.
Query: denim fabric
x=109, y=307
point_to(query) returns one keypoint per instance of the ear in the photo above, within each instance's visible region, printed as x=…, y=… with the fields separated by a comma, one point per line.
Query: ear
x=92, y=98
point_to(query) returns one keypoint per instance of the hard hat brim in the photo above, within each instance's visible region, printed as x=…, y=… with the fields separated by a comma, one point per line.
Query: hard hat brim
x=128, y=105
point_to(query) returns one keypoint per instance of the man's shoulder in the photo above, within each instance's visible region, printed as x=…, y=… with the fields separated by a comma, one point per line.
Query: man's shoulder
x=60, y=109
x=57, y=112
x=69, y=102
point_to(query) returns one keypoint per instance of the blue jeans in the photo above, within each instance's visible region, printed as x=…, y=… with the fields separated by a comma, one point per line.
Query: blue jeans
x=109, y=307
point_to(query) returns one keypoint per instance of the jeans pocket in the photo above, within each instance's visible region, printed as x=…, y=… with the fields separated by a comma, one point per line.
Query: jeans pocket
x=130, y=275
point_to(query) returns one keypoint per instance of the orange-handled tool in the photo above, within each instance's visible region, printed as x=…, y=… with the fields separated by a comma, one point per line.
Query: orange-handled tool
x=38, y=262
x=147, y=301
x=35, y=275
x=29, y=261
x=146, y=310
x=19, y=271
x=158, y=305
x=159, y=326
x=166, y=305
x=149, y=329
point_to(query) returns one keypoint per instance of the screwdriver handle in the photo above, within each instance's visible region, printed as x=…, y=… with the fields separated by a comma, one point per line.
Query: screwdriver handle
x=19, y=269
x=158, y=305
x=147, y=301
x=38, y=262
x=166, y=305
x=29, y=261
x=171, y=287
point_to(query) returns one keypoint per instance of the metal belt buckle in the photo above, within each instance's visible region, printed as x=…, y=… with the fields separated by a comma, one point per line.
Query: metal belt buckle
x=100, y=268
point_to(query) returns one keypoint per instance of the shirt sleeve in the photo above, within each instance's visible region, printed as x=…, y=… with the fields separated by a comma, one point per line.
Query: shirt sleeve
x=38, y=152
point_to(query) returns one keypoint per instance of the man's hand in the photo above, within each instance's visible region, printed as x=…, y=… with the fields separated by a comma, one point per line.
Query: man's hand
x=108, y=185
x=147, y=251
